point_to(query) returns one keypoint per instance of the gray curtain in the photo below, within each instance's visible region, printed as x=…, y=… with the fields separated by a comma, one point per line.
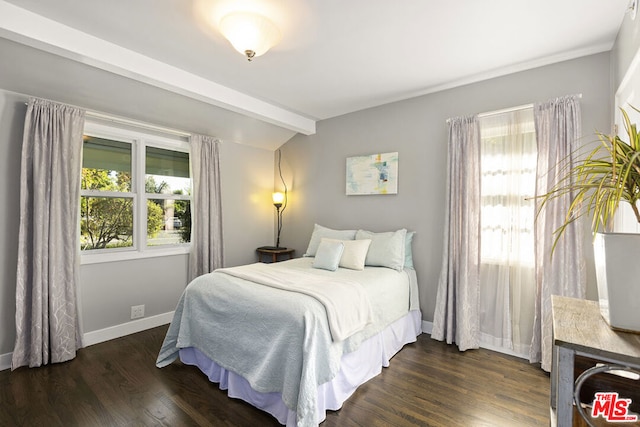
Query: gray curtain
x=206, y=207
x=456, y=317
x=47, y=324
x=558, y=126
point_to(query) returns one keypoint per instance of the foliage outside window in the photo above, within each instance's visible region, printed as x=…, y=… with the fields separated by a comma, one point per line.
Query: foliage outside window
x=135, y=192
x=168, y=188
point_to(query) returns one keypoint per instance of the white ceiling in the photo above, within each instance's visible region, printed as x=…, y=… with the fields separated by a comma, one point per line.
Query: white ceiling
x=335, y=56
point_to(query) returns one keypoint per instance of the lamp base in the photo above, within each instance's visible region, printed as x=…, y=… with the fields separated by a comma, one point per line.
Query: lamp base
x=272, y=248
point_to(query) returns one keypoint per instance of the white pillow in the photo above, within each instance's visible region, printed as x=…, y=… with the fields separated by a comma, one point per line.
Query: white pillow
x=355, y=252
x=319, y=232
x=328, y=254
x=387, y=249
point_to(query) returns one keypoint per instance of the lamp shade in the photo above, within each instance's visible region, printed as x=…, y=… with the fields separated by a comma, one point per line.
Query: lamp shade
x=278, y=198
x=249, y=33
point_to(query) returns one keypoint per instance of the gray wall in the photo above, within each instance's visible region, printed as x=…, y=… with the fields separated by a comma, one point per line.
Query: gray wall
x=625, y=48
x=416, y=128
x=12, y=110
x=108, y=290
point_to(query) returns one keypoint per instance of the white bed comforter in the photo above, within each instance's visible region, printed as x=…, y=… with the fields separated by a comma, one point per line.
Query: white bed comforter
x=280, y=341
x=345, y=301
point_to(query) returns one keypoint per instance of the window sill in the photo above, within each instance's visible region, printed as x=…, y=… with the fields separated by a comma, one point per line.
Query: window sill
x=88, y=258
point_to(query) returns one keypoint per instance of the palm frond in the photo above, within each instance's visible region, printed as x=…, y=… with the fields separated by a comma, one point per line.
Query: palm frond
x=596, y=185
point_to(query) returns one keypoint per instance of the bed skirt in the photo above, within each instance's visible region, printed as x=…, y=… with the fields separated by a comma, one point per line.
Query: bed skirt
x=356, y=368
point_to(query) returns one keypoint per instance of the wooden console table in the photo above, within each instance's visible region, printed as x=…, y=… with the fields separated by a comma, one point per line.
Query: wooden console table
x=579, y=329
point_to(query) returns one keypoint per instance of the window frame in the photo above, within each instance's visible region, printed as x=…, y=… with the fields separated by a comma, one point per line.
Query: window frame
x=139, y=140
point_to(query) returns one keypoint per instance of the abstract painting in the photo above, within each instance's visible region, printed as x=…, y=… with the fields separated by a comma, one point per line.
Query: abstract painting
x=373, y=174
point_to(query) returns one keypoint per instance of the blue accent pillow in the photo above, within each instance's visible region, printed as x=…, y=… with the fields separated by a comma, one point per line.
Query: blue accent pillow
x=328, y=255
x=408, y=250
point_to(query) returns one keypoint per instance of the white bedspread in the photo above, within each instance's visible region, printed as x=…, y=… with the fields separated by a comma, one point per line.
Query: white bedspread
x=278, y=340
x=346, y=302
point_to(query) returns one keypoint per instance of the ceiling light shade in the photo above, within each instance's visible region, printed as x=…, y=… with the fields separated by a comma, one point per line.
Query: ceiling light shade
x=249, y=33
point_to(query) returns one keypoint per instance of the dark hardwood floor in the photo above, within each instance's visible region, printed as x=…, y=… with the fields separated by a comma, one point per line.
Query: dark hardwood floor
x=117, y=384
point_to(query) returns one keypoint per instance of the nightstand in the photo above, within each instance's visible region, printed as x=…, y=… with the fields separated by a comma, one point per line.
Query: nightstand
x=276, y=254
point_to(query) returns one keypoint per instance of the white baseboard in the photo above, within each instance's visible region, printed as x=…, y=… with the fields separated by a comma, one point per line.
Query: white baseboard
x=124, y=329
x=110, y=333
x=427, y=327
x=5, y=361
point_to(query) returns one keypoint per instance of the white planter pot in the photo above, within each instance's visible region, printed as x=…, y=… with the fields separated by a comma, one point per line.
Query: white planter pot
x=617, y=260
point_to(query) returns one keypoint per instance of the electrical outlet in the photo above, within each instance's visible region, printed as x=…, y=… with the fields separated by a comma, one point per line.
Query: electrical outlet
x=137, y=311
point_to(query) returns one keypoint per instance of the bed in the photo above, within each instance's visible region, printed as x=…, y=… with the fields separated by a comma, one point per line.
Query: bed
x=296, y=338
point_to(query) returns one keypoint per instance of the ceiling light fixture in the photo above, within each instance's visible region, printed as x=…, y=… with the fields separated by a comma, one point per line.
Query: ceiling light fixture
x=249, y=33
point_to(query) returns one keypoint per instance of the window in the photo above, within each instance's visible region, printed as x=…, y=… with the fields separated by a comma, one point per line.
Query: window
x=507, y=278
x=135, y=193
x=508, y=179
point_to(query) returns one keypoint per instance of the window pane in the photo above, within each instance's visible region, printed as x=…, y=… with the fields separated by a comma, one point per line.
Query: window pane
x=106, y=222
x=106, y=165
x=508, y=168
x=167, y=171
x=168, y=222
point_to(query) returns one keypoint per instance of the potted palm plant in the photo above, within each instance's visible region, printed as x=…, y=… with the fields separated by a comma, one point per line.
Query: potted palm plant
x=608, y=176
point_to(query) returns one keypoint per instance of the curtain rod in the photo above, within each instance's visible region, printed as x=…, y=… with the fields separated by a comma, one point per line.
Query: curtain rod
x=511, y=109
x=505, y=110
x=130, y=122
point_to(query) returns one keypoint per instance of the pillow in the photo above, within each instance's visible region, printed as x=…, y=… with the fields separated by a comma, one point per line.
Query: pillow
x=408, y=251
x=319, y=232
x=328, y=255
x=386, y=250
x=355, y=252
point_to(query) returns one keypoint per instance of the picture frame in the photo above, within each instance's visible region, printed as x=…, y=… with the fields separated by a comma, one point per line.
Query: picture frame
x=372, y=174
